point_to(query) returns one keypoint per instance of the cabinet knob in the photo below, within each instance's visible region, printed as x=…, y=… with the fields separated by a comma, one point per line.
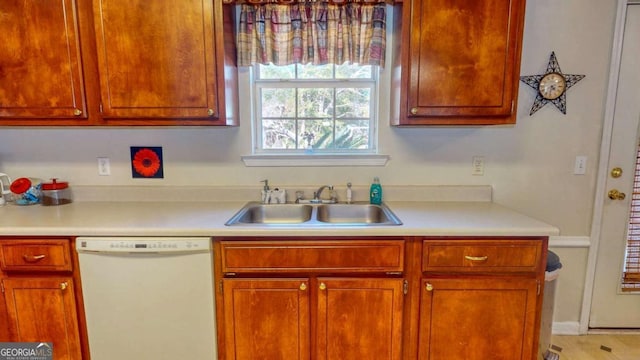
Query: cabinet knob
x=323, y=286
x=303, y=286
x=210, y=112
x=63, y=286
x=33, y=258
x=414, y=110
x=429, y=287
x=77, y=112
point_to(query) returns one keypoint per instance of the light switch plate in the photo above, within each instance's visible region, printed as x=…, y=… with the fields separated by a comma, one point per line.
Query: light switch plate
x=580, y=167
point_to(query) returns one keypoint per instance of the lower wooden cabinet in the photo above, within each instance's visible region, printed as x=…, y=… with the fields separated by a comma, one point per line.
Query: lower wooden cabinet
x=478, y=319
x=39, y=300
x=354, y=318
x=425, y=298
x=267, y=319
x=480, y=298
x=359, y=319
x=310, y=298
x=44, y=310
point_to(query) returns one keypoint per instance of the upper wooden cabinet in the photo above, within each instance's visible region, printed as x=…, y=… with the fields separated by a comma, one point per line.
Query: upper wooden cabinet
x=40, y=62
x=462, y=62
x=116, y=62
x=160, y=59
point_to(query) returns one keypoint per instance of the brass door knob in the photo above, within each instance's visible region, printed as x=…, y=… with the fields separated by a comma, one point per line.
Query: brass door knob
x=616, y=172
x=323, y=286
x=614, y=194
x=303, y=286
x=77, y=112
x=63, y=285
x=414, y=111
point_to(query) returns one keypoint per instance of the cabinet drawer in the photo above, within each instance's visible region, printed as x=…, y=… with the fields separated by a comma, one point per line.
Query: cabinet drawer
x=35, y=255
x=482, y=255
x=335, y=256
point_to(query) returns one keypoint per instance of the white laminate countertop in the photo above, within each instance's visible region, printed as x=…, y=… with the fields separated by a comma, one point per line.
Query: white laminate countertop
x=186, y=218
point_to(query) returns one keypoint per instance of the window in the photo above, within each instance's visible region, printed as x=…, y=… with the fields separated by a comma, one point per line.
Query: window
x=631, y=275
x=320, y=109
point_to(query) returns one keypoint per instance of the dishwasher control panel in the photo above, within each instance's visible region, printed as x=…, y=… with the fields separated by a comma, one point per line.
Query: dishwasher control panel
x=143, y=244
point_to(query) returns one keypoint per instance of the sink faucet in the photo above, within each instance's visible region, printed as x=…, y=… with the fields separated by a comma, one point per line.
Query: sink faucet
x=318, y=193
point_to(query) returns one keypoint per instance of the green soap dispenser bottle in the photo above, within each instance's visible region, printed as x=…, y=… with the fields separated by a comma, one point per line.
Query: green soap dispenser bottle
x=375, y=192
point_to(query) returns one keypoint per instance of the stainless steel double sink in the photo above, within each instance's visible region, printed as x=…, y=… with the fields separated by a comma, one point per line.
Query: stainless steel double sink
x=355, y=214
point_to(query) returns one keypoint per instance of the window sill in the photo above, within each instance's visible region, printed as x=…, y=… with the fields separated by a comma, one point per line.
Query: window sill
x=315, y=160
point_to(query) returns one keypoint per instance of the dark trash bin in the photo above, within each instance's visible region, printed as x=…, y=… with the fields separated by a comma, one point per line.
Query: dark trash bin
x=552, y=272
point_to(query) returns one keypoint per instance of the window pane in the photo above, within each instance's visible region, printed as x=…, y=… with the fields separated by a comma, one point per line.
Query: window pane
x=315, y=103
x=353, y=72
x=277, y=72
x=278, y=103
x=316, y=134
x=324, y=108
x=315, y=71
x=279, y=134
x=353, y=134
x=352, y=102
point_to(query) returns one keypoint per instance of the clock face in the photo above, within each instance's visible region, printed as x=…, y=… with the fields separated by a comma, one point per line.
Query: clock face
x=552, y=85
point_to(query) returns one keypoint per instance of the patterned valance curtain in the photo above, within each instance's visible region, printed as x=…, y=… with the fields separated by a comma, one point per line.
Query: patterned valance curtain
x=312, y=32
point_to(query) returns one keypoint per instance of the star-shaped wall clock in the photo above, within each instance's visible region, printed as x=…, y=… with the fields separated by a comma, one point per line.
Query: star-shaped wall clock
x=551, y=86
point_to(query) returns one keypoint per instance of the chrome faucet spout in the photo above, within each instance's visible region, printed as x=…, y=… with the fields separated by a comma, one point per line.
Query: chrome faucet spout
x=318, y=193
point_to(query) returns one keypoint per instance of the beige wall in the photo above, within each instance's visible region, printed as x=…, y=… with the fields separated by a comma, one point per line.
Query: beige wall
x=529, y=165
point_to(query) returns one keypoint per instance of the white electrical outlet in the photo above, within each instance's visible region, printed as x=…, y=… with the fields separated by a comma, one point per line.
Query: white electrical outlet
x=477, y=165
x=580, y=167
x=104, y=166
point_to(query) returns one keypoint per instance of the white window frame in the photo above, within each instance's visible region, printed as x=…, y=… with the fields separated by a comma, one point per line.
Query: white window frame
x=306, y=157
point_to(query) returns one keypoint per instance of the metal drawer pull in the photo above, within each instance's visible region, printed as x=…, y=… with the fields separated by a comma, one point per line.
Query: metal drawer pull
x=33, y=258
x=428, y=287
x=63, y=286
x=323, y=286
x=303, y=286
x=476, y=258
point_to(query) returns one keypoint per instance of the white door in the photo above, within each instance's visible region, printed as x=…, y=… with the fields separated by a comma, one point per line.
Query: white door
x=610, y=307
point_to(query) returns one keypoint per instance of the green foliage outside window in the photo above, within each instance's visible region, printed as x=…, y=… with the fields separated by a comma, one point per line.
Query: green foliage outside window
x=326, y=108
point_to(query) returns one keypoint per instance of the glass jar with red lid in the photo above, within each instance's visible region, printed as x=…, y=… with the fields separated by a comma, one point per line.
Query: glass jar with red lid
x=56, y=193
x=26, y=191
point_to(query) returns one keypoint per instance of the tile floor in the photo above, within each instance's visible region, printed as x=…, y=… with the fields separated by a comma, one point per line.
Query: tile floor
x=621, y=346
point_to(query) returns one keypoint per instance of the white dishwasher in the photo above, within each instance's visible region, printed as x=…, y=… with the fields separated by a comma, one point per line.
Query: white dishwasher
x=148, y=298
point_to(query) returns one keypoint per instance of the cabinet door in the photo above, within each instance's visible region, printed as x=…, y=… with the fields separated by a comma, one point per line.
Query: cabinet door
x=464, y=61
x=44, y=310
x=478, y=319
x=156, y=59
x=359, y=319
x=266, y=319
x=40, y=71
